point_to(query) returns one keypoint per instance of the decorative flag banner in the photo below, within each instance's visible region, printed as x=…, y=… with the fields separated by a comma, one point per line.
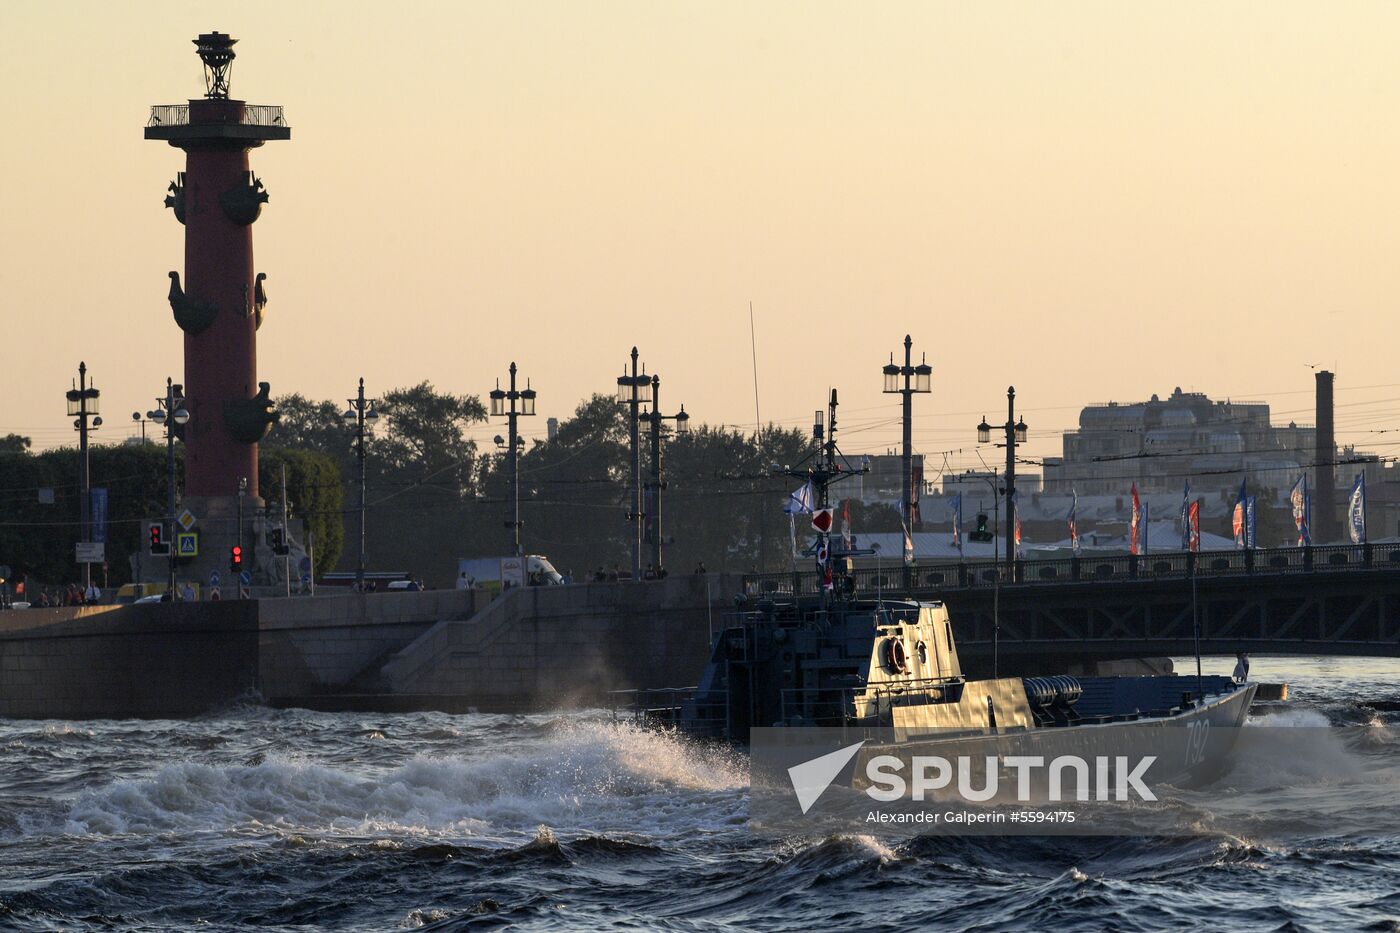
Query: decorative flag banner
x=803, y=501
x=1186, y=517
x=98, y=502
x=1073, y=521
x=1249, y=525
x=1193, y=526
x=1144, y=526
x=846, y=524
x=1302, y=510
x=956, y=505
x=908, y=546
x=823, y=519
x=792, y=530
x=1356, y=510
x=1238, y=523
x=1134, y=528
x=1016, y=518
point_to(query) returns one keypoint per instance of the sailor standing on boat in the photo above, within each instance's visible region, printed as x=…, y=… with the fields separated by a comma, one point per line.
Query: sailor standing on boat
x=1241, y=673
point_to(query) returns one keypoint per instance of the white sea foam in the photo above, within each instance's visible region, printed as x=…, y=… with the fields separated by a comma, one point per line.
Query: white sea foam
x=595, y=775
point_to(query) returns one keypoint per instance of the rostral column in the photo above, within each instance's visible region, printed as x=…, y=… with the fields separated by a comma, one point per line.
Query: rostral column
x=219, y=304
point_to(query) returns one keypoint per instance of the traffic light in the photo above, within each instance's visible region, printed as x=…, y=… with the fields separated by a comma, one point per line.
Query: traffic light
x=981, y=533
x=159, y=547
x=277, y=538
x=235, y=558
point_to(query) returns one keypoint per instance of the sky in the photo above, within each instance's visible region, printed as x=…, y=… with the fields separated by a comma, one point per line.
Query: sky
x=1089, y=200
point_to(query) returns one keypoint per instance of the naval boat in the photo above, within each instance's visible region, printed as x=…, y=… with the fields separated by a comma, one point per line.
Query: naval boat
x=888, y=670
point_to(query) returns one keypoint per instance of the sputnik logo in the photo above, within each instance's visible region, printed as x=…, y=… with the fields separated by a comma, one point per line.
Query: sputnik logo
x=811, y=778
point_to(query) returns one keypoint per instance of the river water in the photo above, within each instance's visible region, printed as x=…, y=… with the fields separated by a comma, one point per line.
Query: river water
x=296, y=820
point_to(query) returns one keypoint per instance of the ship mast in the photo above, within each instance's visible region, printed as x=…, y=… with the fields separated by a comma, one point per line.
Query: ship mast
x=822, y=468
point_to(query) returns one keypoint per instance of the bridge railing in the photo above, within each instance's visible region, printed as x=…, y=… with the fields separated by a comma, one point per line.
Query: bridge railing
x=1167, y=565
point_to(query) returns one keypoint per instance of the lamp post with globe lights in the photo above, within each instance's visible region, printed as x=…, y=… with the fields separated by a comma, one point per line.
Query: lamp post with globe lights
x=654, y=423
x=361, y=417
x=83, y=408
x=634, y=390
x=1015, y=434
x=526, y=399
x=170, y=413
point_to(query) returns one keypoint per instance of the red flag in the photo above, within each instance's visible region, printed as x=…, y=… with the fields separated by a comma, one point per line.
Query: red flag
x=822, y=519
x=1193, y=524
x=846, y=524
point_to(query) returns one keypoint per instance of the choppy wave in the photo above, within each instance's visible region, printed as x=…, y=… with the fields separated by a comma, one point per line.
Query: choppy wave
x=290, y=819
x=648, y=781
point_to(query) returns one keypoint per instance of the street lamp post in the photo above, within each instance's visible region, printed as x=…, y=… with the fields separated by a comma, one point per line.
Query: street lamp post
x=526, y=398
x=655, y=423
x=170, y=412
x=82, y=405
x=137, y=417
x=1015, y=434
x=915, y=380
x=361, y=417
x=634, y=390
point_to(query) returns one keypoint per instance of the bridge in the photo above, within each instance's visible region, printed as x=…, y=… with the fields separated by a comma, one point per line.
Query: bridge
x=1335, y=600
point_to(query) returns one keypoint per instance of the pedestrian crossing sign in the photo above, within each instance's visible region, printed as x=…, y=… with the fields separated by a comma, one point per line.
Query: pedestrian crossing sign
x=187, y=544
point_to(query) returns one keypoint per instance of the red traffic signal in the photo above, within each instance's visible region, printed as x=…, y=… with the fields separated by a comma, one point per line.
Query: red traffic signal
x=159, y=547
x=235, y=558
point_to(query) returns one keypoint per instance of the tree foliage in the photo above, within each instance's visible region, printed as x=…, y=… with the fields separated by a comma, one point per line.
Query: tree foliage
x=315, y=499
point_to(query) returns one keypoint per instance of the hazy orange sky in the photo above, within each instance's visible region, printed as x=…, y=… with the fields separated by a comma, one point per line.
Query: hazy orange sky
x=1090, y=200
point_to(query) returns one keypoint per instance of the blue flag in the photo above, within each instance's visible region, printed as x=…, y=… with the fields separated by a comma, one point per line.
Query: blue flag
x=1356, y=510
x=956, y=505
x=98, y=503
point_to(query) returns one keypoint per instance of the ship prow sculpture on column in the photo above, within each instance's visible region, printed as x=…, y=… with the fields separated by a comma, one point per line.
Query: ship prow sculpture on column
x=219, y=304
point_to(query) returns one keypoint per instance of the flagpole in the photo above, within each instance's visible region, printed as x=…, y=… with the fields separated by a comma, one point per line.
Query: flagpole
x=1196, y=633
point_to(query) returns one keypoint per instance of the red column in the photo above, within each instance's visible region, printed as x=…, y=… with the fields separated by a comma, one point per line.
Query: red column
x=221, y=361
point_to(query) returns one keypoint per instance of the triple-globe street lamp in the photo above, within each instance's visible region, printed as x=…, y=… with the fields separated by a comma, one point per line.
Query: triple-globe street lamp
x=361, y=417
x=526, y=399
x=633, y=391
x=654, y=423
x=171, y=414
x=1015, y=430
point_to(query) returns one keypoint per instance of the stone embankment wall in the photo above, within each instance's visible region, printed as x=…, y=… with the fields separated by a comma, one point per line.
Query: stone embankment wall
x=530, y=649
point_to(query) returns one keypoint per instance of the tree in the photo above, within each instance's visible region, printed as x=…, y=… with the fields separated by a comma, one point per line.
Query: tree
x=15, y=444
x=426, y=436
x=315, y=498
x=307, y=425
x=574, y=493
x=37, y=537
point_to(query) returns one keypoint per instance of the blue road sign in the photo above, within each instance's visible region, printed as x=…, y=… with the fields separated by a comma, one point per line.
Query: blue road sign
x=214, y=578
x=306, y=578
x=245, y=578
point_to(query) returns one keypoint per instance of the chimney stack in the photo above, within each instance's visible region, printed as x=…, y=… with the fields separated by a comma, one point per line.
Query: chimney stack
x=1324, y=496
